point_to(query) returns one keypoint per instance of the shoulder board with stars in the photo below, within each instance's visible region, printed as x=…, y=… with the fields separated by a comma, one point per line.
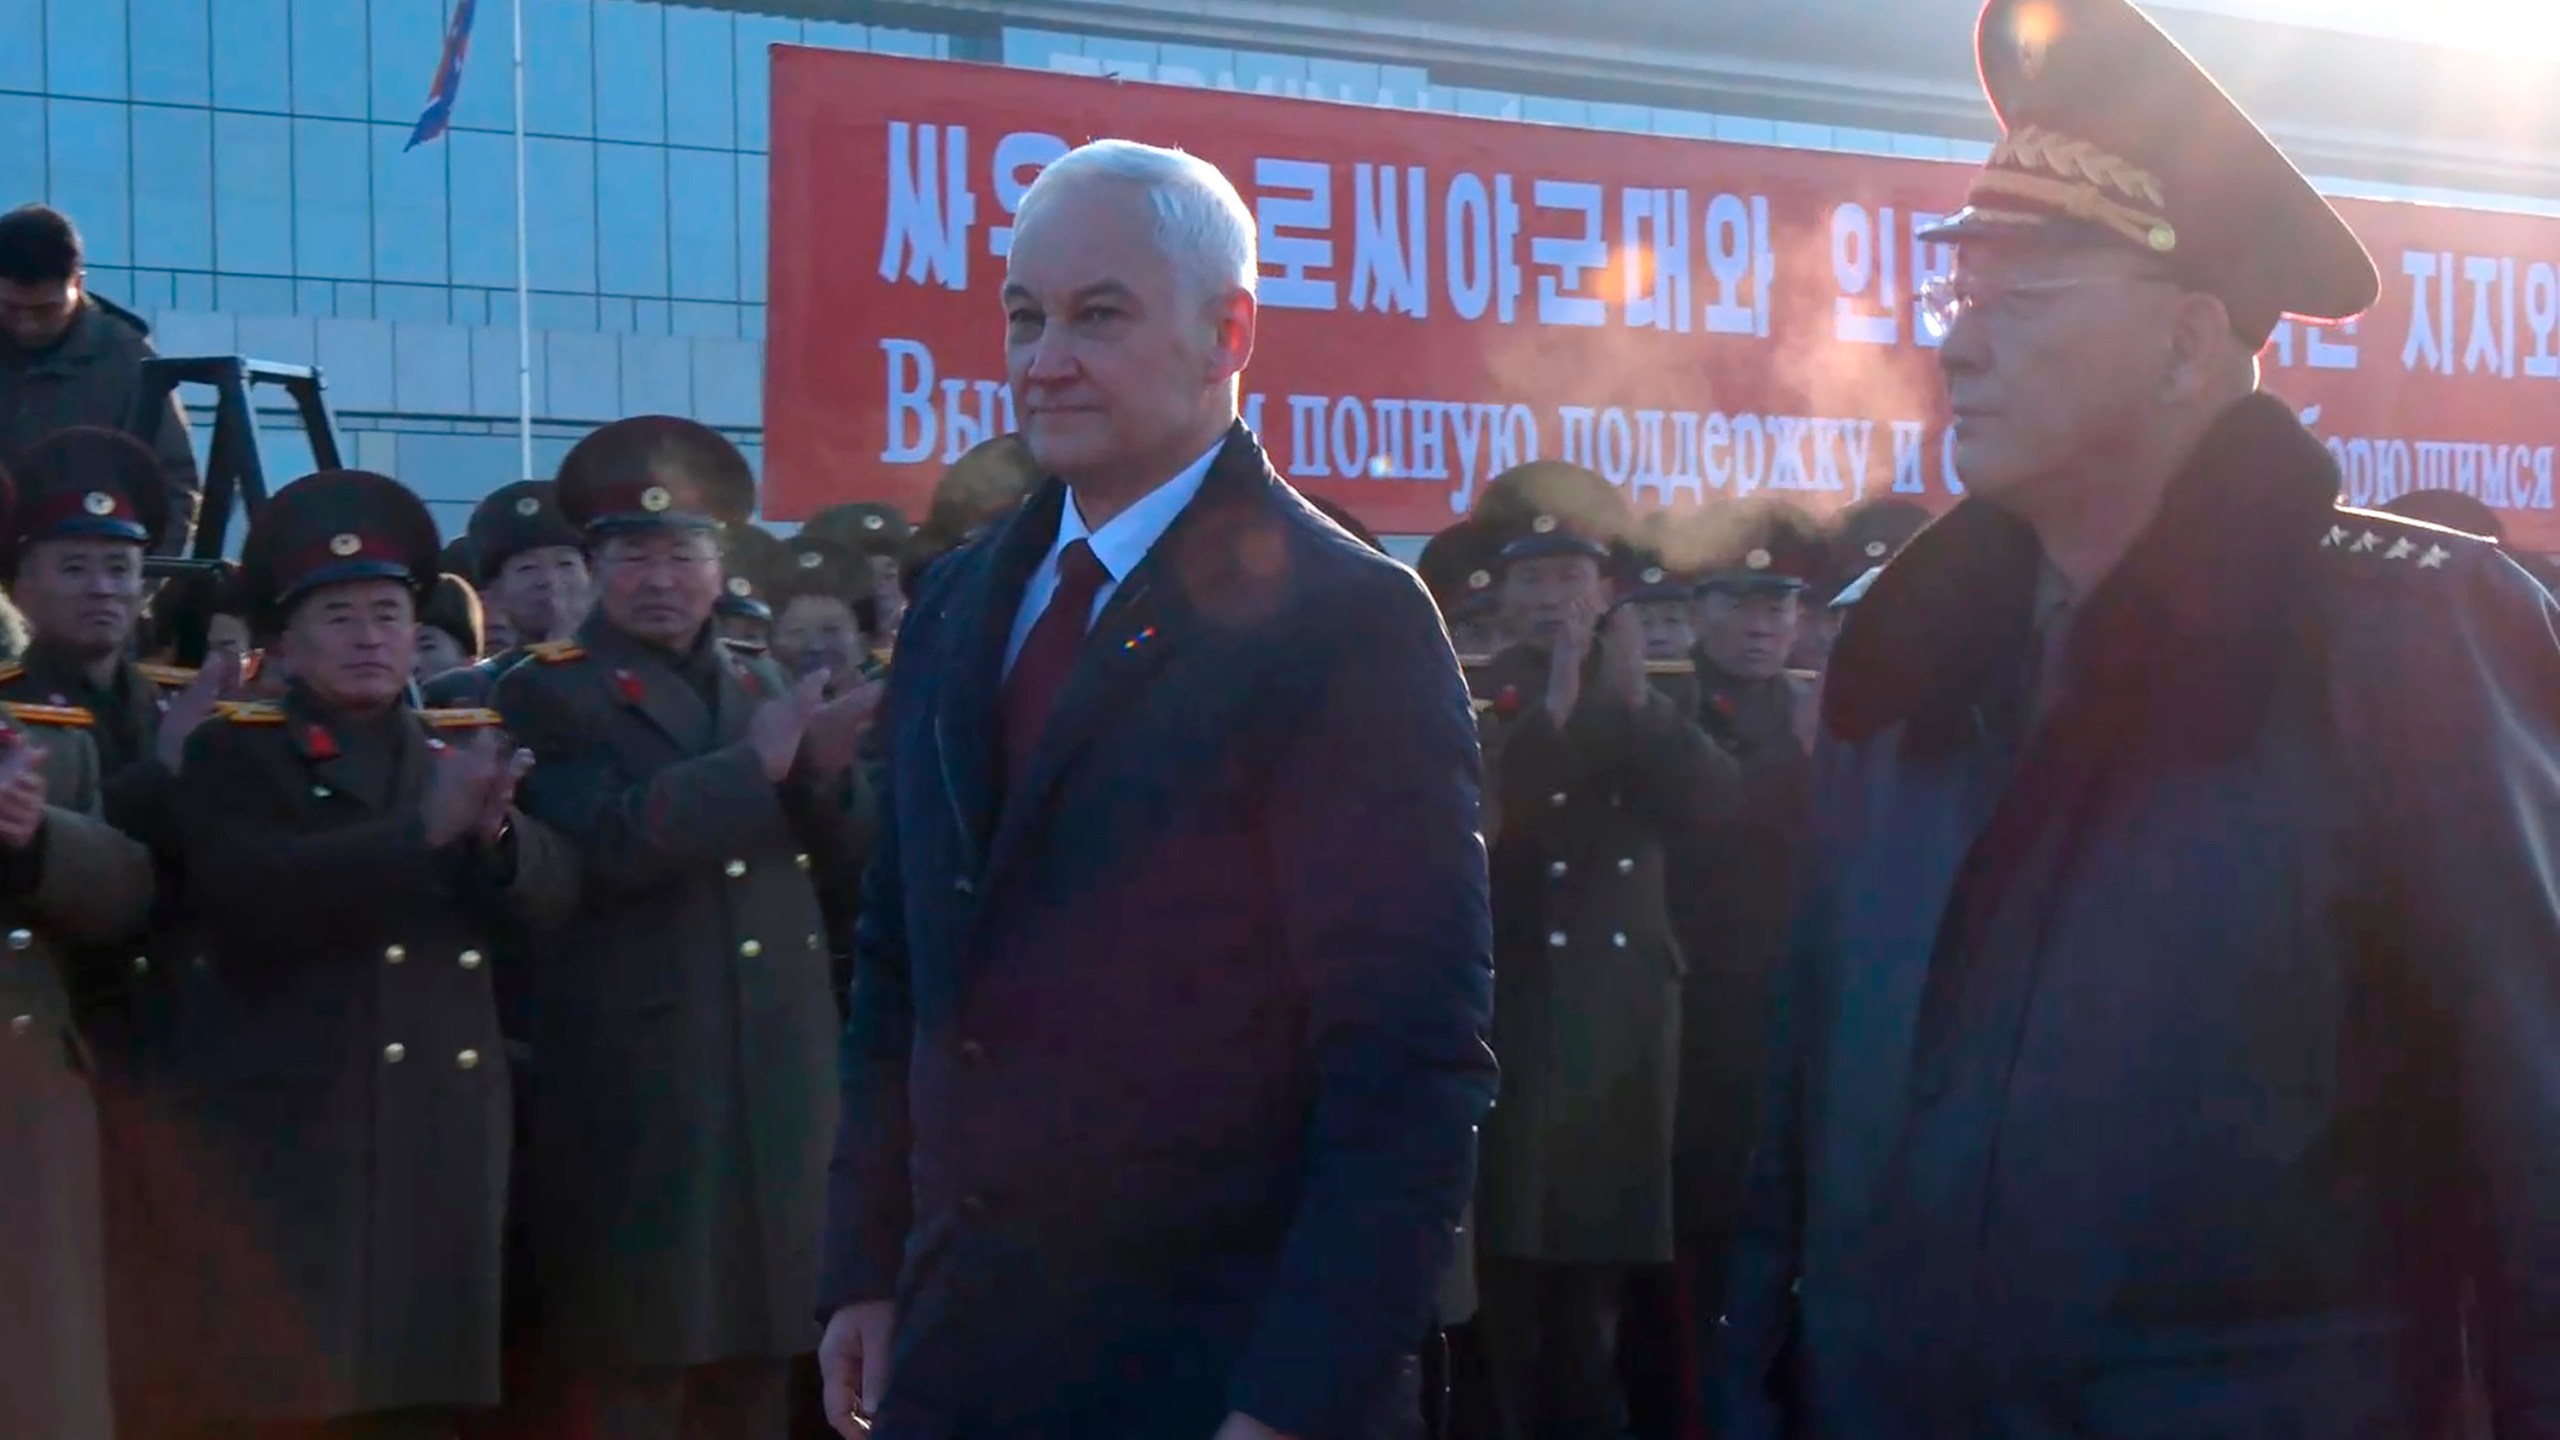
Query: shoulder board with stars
x=556, y=652
x=250, y=712
x=75, y=716
x=2391, y=541
x=465, y=718
x=170, y=677
x=11, y=670
x=1671, y=667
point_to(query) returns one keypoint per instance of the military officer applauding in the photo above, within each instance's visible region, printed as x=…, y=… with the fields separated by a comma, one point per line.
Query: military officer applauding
x=1597, y=775
x=684, y=1096
x=348, y=857
x=65, y=876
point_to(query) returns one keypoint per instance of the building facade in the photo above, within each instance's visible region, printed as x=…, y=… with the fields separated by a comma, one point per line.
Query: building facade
x=240, y=168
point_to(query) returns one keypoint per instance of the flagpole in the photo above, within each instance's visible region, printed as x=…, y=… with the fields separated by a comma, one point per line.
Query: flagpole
x=524, y=283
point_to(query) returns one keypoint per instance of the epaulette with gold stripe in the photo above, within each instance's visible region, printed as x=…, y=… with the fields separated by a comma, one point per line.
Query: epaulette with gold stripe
x=1474, y=662
x=882, y=655
x=250, y=712
x=1671, y=667
x=1484, y=703
x=11, y=670
x=174, y=677
x=554, y=652
x=72, y=715
x=470, y=718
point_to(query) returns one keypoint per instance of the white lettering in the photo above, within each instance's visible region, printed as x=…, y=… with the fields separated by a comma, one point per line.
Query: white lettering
x=1020, y=157
x=911, y=389
x=930, y=207
x=1296, y=231
x=1569, y=257
x=1617, y=447
x=2422, y=350
x=1857, y=317
x=1390, y=241
x=1656, y=223
x=1483, y=234
x=1739, y=257
x=1306, y=435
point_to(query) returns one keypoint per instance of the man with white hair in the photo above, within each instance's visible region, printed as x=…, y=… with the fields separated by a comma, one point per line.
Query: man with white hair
x=1167, y=1042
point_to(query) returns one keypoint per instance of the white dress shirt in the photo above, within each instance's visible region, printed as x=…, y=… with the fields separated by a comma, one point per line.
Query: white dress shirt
x=1119, y=545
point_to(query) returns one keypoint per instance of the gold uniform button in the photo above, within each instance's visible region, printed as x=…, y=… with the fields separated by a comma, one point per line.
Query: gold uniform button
x=1556, y=800
x=813, y=940
x=141, y=964
x=1555, y=870
x=470, y=959
x=21, y=939
x=468, y=1060
x=751, y=948
x=394, y=954
x=319, y=792
x=1627, y=866
x=21, y=1024
x=394, y=1053
x=1556, y=940
x=1619, y=939
x=735, y=868
x=801, y=859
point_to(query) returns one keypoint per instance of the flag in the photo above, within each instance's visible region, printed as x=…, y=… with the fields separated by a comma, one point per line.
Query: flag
x=448, y=86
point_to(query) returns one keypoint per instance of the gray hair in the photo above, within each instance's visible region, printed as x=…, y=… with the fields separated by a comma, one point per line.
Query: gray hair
x=1202, y=225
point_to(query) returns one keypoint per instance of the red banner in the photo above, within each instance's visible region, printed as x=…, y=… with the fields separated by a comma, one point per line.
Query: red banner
x=1445, y=297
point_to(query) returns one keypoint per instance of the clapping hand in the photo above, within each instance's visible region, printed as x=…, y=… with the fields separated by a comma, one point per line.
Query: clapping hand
x=21, y=794
x=460, y=786
x=188, y=708
x=836, y=728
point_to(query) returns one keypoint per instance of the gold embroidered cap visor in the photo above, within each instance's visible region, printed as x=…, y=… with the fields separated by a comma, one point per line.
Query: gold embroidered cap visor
x=2112, y=134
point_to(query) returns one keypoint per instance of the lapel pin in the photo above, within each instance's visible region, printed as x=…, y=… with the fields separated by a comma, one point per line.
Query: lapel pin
x=629, y=686
x=1133, y=643
x=319, y=744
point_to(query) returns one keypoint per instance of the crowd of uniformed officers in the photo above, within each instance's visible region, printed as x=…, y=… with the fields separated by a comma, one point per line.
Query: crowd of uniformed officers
x=402, y=1042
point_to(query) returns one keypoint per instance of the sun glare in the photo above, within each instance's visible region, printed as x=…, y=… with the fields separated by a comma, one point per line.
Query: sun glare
x=2511, y=27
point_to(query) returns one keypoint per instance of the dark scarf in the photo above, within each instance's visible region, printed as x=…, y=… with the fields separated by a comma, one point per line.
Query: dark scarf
x=2173, y=656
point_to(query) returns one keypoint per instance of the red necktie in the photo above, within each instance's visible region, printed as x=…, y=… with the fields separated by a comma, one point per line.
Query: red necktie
x=1048, y=657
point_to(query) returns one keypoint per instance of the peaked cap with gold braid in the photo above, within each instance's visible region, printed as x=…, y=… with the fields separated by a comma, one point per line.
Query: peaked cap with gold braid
x=2112, y=133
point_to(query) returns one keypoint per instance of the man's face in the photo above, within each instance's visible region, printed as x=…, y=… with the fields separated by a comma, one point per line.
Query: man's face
x=355, y=645
x=1668, y=635
x=660, y=585
x=1747, y=635
x=818, y=632
x=227, y=634
x=1817, y=631
x=438, y=653
x=1539, y=595
x=544, y=592
x=34, y=314
x=2058, y=356
x=1116, y=364
x=82, y=595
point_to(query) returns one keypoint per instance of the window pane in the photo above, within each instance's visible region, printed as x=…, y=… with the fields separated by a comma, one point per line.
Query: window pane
x=702, y=61
x=21, y=148
x=631, y=208
x=408, y=208
x=193, y=293
x=328, y=59
x=253, y=295
x=411, y=305
x=751, y=200
x=253, y=201
x=317, y=298
x=248, y=55
x=355, y=300
x=561, y=312
x=173, y=188
x=407, y=42
x=694, y=319
x=838, y=35
x=172, y=51
x=87, y=145
x=631, y=71
x=84, y=48
x=704, y=248
x=560, y=214
x=757, y=34
x=484, y=208
x=332, y=184
x=559, y=67
x=22, y=48
x=112, y=284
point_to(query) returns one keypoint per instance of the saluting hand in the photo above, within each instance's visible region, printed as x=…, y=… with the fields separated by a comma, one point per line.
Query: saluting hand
x=778, y=726
x=21, y=794
x=216, y=678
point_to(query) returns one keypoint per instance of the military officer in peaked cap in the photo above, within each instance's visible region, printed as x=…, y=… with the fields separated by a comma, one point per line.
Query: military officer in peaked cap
x=825, y=609
x=1750, y=608
x=685, y=1091
x=1594, y=776
x=2167, y=1048
x=449, y=628
x=66, y=878
x=1863, y=536
x=879, y=533
x=530, y=568
x=347, y=859
x=1457, y=567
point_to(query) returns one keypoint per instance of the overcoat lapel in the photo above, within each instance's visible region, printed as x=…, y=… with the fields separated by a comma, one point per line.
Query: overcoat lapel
x=966, y=692
x=646, y=686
